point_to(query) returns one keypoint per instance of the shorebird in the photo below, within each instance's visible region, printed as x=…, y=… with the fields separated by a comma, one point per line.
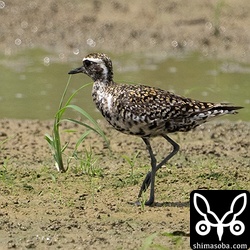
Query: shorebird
x=145, y=111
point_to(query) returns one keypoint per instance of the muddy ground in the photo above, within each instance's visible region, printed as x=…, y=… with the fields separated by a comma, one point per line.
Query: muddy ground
x=91, y=205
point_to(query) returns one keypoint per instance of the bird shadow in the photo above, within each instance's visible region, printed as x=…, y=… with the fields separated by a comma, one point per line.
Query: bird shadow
x=171, y=204
x=164, y=204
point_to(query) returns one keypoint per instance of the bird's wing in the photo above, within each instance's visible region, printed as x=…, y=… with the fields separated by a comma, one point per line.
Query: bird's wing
x=155, y=103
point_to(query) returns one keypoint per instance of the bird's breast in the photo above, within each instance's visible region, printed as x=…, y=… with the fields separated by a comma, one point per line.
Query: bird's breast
x=122, y=117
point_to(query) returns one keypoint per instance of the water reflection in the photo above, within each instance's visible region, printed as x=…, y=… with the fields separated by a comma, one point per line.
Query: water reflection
x=32, y=82
x=2, y=4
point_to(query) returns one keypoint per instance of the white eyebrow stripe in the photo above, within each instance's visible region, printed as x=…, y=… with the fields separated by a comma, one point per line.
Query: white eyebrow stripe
x=97, y=60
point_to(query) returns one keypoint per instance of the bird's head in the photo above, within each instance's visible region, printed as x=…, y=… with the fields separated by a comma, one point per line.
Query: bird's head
x=97, y=66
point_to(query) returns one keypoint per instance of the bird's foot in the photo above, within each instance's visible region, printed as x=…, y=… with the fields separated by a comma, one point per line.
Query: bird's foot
x=140, y=202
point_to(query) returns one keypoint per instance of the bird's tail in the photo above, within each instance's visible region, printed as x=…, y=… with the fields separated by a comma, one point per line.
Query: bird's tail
x=213, y=111
x=224, y=108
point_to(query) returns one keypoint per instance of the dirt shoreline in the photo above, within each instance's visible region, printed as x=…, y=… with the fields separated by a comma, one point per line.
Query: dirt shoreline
x=43, y=209
x=215, y=28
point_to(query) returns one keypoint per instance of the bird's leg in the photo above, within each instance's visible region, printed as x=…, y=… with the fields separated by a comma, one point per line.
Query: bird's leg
x=176, y=148
x=151, y=174
x=148, y=177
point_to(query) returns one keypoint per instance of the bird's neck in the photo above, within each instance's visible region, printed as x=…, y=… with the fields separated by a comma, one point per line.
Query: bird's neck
x=103, y=76
x=102, y=96
x=101, y=85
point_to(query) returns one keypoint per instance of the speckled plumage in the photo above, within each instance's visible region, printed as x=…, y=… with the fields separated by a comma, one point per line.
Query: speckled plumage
x=145, y=111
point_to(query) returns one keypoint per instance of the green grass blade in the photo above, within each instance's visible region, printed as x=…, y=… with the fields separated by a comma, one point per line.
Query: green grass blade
x=81, y=139
x=83, y=112
x=97, y=128
x=82, y=124
x=64, y=147
x=49, y=139
x=71, y=97
x=64, y=93
x=148, y=241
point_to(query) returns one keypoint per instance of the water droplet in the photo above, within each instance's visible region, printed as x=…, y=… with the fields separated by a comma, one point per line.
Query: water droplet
x=222, y=29
x=18, y=41
x=152, y=41
x=172, y=70
x=20, y=32
x=2, y=4
x=190, y=43
x=209, y=25
x=213, y=72
x=24, y=24
x=184, y=43
x=46, y=61
x=91, y=42
x=76, y=51
x=174, y=43
x=7, y=51
x=204, y=51
x=34, y=29
x=61, y=56
x=101, y=40
x=22, y=77
x=19, y=95
x=204, y=93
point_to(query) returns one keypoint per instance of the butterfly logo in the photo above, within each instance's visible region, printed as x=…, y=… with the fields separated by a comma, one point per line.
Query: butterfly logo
x=210, y=219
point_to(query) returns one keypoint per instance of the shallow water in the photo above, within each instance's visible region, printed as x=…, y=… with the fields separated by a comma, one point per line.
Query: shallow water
x=32, y=82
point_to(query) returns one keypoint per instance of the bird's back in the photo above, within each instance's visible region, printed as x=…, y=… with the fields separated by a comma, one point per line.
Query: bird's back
x=147, y=111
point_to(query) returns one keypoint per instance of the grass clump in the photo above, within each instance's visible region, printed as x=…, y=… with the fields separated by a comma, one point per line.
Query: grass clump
x=54, y=140
x=87, y=165
x=132, y=161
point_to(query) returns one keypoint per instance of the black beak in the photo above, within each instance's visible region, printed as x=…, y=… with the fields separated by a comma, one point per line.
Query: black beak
x=77, y=70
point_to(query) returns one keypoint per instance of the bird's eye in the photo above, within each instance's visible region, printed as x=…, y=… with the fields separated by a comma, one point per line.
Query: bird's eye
x=87, y=63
